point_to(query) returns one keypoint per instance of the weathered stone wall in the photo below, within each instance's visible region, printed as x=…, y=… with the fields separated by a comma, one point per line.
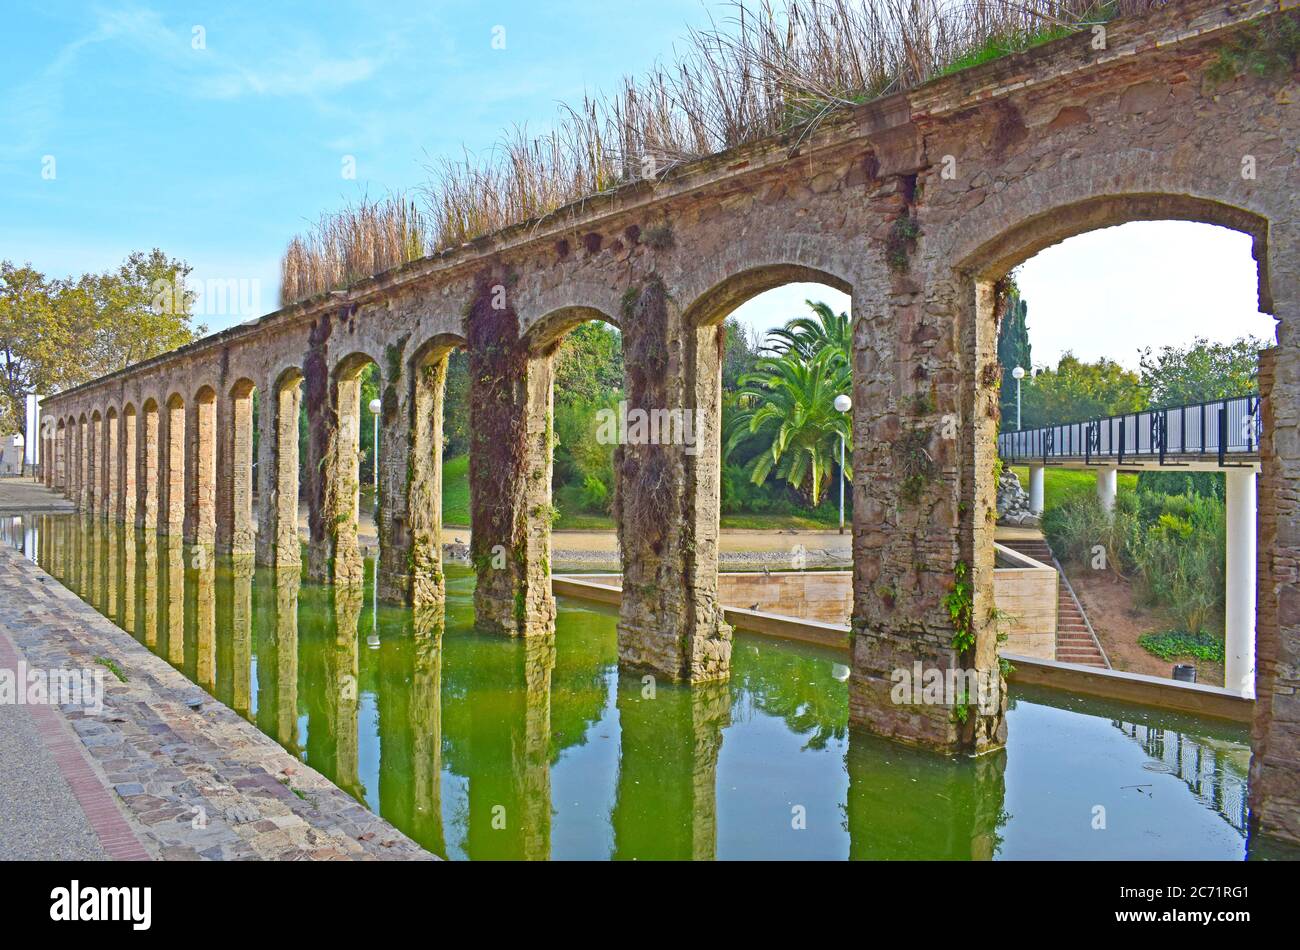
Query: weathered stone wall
x=915, y=204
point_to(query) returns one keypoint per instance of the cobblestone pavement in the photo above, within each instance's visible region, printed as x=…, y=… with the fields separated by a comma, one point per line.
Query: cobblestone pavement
x=192, y=779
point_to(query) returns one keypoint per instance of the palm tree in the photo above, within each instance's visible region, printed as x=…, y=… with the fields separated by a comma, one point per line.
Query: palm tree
x=808, y=336
x=789, y=400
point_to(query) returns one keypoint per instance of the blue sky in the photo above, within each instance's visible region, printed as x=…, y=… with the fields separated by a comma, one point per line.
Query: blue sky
x=216, y=131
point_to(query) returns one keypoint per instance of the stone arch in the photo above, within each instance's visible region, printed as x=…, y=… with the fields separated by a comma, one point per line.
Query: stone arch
x=410, y=458
x=549, y=330
x=201, y=468
x=128, y=463
x=235, y=533
x=713, y=304
x=171, y=494
x=279, y=469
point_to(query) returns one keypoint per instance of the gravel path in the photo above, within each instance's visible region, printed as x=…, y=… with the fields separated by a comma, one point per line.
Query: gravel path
x=39, y=816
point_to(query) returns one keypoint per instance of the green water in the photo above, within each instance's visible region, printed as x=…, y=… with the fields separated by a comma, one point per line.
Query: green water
x=483, y=747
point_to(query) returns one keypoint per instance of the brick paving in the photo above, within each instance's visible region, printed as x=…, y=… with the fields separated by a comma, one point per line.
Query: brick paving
x=166, y=771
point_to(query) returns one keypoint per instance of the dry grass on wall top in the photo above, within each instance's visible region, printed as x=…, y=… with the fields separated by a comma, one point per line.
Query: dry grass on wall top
x=763, y=69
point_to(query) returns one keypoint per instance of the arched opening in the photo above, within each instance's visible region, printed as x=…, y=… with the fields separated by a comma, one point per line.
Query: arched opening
x=128, y=465
x=201, y=470
x=112, y=465
x=281, y=487
x=236, y=533
x=171, y=485
x=411, y=511
x=95, y=464
x=148, y=473
x=1139, y=322
x=782, y=335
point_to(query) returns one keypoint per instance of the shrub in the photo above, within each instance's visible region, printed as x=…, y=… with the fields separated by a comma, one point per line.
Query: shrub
x=1173, y=644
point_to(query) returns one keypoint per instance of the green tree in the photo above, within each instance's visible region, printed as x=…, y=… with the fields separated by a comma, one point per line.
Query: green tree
x=1202, y=372
x=788, y=401
x=808, y=336
x=1077, y=391
x=1013, y=341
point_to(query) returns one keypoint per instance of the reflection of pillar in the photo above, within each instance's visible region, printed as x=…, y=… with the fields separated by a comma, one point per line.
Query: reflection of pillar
x=129, y=588
x=110, y=562
x=910, y=804
x=149, y=590
x=241, y=636
x=205, y=619
x=1107, y=485
x=510, y=783
x=1239, y=608
x=1036, y=488
x=173, y=599
x=277, y=664
x=666, y=804
x=342, y=691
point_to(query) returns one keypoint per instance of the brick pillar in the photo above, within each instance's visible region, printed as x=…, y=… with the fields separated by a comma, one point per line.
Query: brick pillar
x=410, y=471
x=235, y=533
x=128, y=465
x=201, y=470
x=1275, y=733
x=509, y=472
x=924, y=423
x=277, y=466
x=112, y=466
x=171, y=480
x=333, y=419
x=667, y=493
x=148, y=474
x=669, y=772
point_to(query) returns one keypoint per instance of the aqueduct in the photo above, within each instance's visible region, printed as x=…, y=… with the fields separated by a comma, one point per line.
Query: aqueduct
x=915, y=204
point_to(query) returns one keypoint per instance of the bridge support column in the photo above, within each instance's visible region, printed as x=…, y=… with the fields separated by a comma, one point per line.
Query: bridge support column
x=1036, y=488
x=235, y=533
x=277, y=467
x=333, y=434
x=410, y=472
x=112, y=469
x=147, y=508
x=1107, y=485
x=171, y=515
x=1239, y=609
x=127, y=465
x=667, y=493
x=512, y=429
x=924, y=667
x=200, y=525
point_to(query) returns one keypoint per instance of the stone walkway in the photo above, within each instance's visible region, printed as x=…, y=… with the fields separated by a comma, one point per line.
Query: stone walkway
x=165, y=771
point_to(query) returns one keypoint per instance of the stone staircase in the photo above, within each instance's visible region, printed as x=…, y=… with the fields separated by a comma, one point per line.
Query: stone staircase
x=1075, y=642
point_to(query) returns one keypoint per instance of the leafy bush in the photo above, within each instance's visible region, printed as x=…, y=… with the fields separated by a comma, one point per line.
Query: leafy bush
x=1174, y=644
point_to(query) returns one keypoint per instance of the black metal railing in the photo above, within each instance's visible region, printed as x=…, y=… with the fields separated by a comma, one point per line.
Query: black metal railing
x=1226, y=428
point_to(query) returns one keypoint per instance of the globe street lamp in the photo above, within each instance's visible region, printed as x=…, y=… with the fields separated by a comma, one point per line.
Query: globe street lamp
x=842, y=404
x=1018, y=374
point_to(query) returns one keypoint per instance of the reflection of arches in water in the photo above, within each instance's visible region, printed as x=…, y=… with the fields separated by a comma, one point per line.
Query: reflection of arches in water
x=1207, y=768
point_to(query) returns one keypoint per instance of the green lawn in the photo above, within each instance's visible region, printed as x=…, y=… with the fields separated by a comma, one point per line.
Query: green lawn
x=455, y=508
x=1062, y=483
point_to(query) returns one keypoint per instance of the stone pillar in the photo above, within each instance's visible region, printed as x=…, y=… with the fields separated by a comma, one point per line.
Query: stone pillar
x=277, y=466
x=201, y=471
x=235, y=533
x=410, y=494
x=94, y=463
x=333, y=417
x=61, y=459
x=112, y=466
x=171, y=481
x=1036, y=488
x=1107, y=485
x=667, y=493
x=147, y=510
x=1275, y=734
x=509, y=472
x=128, y=464
x=925, y=413
x=1239, y=606
x=83, y=466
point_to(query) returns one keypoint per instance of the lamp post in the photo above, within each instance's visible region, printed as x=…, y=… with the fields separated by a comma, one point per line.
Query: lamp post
x=375, y=406
x=842, y=404
x=1018, y=374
